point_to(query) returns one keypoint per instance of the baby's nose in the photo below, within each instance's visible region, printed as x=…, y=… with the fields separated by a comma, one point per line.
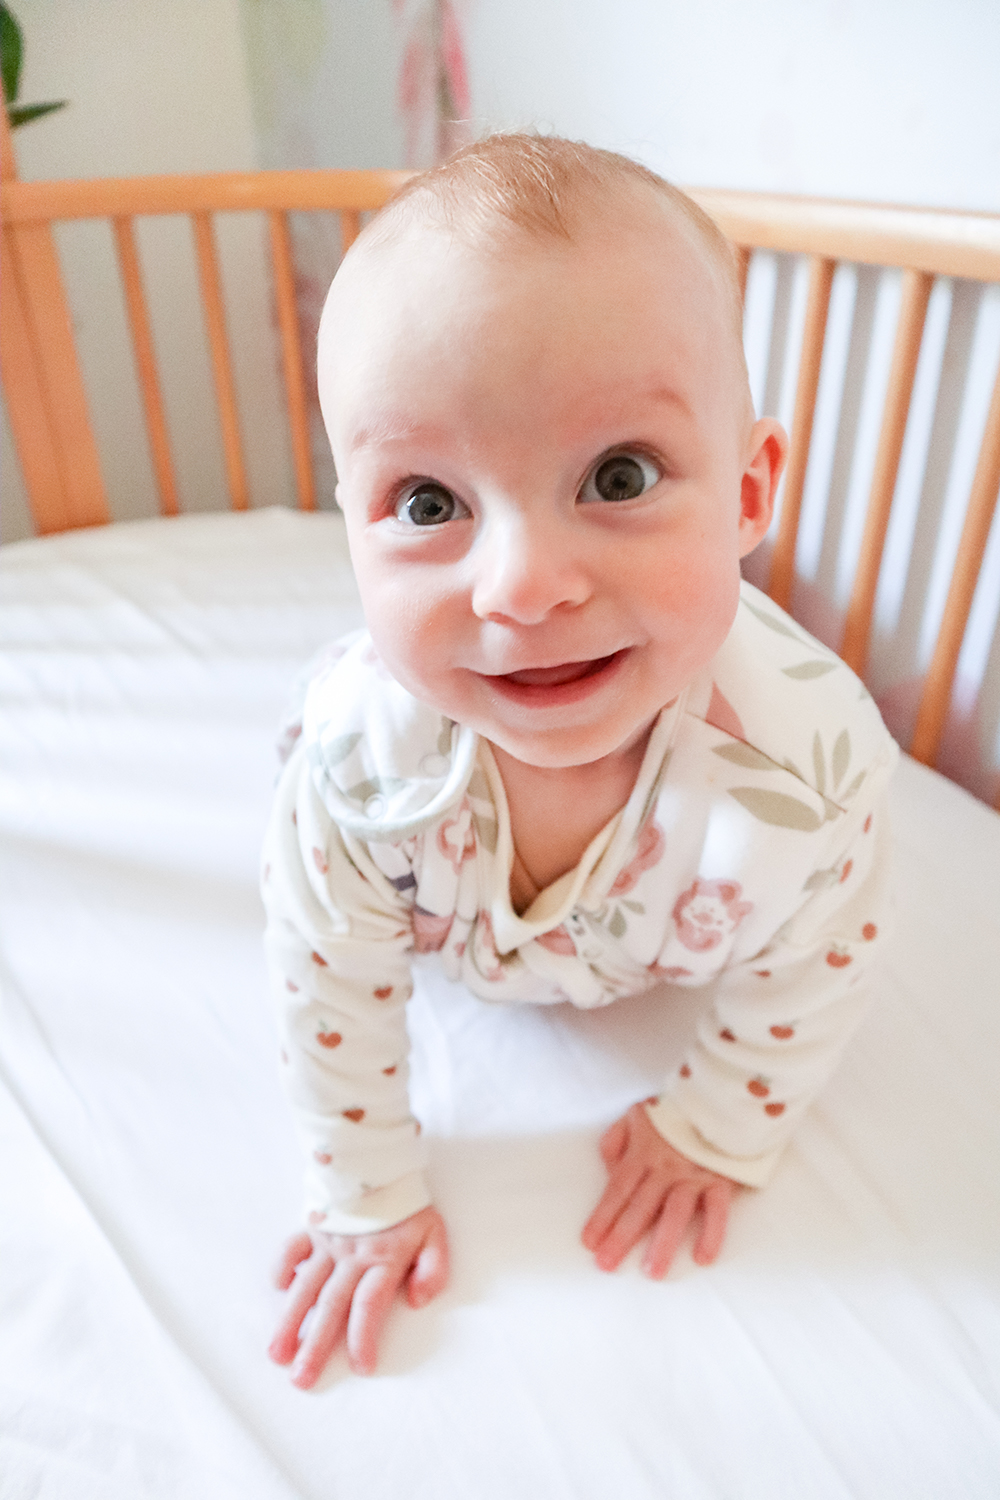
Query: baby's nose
x=526, y=570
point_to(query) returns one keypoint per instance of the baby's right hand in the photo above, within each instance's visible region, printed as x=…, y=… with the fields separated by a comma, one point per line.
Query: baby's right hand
x=351, y=1282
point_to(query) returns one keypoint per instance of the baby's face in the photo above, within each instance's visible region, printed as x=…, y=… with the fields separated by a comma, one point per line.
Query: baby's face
x=542, y=459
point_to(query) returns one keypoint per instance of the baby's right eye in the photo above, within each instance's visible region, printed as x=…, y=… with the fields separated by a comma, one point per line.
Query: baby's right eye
x=429, y=504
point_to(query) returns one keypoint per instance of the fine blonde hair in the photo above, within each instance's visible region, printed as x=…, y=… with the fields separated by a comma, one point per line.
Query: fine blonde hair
x=547, y=187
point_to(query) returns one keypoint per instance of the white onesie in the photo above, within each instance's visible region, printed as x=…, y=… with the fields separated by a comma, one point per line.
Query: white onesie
x=750, y=859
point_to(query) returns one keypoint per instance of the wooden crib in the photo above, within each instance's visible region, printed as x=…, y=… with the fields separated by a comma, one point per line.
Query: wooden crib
x=847, y=1344
x=48, y=408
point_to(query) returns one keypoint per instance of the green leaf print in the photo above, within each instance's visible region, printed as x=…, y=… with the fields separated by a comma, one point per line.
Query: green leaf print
x=778, y=809
x=339, y=749
x=635, y=906
x=486, y=831
x=478, y=785
x=821, y=880
x=772, y=623
x=841, y=757
x=807, y=669
x=744, y=755
x=819, y=763
x=854, y=787
x=444, y=738
x=617, y=926
x=375, y=786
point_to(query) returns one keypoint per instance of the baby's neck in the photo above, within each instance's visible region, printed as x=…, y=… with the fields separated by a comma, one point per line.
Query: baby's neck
x=555, y=812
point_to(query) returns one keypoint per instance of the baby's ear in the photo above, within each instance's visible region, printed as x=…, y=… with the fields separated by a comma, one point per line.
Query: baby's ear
x=767, y=449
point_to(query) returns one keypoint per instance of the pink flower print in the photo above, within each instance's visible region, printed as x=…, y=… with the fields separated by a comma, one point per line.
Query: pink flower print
x=708, y=912
x=430, y=933
x=672, y=971
x=648, y=852
x=456, y=839
x=558, y=941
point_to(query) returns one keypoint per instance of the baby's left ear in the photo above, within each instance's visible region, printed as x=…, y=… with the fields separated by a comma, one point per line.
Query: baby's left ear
x=767, y=450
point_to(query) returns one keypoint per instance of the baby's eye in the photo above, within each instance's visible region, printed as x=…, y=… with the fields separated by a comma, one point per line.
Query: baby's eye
x=429, y=504
x=623, y=476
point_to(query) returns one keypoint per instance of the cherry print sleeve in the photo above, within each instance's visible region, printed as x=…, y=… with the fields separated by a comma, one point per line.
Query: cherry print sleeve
x=338, y=942
x=778, y=1024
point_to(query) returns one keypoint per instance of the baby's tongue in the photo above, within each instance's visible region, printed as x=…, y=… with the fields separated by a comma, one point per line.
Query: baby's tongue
x=551, y=676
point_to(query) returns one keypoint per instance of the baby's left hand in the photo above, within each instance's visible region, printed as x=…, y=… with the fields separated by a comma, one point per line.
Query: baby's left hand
x=652, y=1187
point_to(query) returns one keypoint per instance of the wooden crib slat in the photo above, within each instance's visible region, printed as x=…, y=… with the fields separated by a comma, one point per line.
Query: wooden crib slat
x=291, y=350
x=810, y=362
x=215, y=322
x=743, y=256
x=350, y=228
x=34, y=267
x=906, y=351
x=971, y=548
x=26, y=403
x=145, y=359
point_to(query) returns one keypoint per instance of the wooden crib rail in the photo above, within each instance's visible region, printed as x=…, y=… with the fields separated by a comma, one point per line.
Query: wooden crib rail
x=47, y=404
x=924, y=244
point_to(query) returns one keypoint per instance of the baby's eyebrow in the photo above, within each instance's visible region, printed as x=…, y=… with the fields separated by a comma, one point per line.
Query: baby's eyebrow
x=664, y=395
x=394, y=427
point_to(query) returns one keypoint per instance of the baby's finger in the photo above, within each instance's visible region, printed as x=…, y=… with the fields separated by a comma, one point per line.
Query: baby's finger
x=294, y=1252
x=613, y=1142
x=430, y=1272
x=373, y=1297
x=671, y=1228
x=305, y=1291
x=715, y=1201
x=326, y=1330
x=636, y=1218
x=620, y=1188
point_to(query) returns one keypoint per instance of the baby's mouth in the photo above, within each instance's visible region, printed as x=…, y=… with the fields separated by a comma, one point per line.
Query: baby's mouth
x=570, y=671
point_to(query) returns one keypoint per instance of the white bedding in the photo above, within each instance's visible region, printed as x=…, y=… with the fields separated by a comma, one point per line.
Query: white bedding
x=846, y=1345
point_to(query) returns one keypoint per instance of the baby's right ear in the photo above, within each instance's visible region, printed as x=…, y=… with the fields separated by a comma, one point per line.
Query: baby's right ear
x=767, y=452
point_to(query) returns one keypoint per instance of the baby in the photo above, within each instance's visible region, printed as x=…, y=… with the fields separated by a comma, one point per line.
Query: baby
x=572, y=755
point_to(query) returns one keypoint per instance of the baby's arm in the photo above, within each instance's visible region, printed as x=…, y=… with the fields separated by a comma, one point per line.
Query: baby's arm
x=339, y=943
x=771, y=1039
x=348, y=1283
x=652, y=1189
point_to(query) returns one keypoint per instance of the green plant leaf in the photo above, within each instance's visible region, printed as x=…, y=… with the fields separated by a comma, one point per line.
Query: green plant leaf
x=11, y=52
x=807, y=669
x=742, y=754
x=23, y=114
x=778, y=809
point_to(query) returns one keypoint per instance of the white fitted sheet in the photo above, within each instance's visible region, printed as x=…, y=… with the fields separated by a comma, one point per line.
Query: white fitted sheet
x=845, y=1346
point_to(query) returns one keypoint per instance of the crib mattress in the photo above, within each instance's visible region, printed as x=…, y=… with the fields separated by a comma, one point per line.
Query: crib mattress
x=846, y=1346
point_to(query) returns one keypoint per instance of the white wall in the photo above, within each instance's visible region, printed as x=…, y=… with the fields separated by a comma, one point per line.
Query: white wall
x=893, y=100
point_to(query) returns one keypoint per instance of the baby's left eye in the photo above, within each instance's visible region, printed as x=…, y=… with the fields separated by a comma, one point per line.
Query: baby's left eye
x=621, y=476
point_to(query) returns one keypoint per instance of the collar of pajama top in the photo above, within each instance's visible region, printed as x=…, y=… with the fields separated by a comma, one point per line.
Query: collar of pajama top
x=776, y=736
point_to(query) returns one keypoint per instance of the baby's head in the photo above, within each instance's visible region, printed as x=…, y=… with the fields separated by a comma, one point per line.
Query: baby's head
x=531, y=371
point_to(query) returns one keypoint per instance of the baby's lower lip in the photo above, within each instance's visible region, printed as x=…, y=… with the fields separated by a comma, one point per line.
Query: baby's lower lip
x=544, y=685
x=570, y=671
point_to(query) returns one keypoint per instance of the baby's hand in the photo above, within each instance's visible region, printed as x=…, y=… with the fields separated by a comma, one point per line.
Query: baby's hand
x=653, y=1187
x=350, y=1282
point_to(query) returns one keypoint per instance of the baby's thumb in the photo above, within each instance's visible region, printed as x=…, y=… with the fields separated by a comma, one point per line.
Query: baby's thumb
x=430, y=1272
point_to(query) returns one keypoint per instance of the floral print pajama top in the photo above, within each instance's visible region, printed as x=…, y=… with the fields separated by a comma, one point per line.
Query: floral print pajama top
x=750, y=860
